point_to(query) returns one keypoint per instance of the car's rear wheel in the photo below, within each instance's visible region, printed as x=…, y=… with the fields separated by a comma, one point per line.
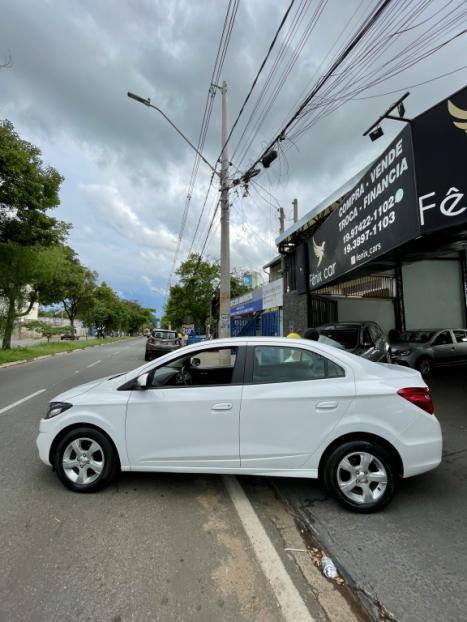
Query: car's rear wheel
x=361, y=475
x=424, y=365
x=85, y=460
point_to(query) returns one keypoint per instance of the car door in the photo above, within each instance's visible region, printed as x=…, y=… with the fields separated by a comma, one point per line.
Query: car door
x=461, y=345
x=444, y=348
x=292, y=398
x=188, y=417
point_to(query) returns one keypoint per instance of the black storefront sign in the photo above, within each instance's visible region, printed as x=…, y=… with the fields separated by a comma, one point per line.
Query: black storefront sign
x=376, y=216
x=440, y=149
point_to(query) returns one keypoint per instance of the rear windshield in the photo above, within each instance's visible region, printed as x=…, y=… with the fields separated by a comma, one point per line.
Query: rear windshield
x=417, y=336
x=347, y=337
x=162, y=334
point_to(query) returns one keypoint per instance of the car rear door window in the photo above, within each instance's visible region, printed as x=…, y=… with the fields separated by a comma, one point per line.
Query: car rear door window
x=284, y=364
x=461, y=336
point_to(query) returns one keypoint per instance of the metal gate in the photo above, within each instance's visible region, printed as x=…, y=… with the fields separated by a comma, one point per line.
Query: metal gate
x=242, y=327
x=321, y=310
x=270, y=323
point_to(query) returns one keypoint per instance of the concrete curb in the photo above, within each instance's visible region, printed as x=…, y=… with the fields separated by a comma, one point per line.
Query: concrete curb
x=367, y=601
x=47, y=356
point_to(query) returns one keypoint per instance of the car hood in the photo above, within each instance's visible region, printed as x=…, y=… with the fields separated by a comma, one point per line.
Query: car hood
x=66, y=396
x=407, y=345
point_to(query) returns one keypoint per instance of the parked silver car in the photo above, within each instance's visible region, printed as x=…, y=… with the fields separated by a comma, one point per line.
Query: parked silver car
x=426, y=349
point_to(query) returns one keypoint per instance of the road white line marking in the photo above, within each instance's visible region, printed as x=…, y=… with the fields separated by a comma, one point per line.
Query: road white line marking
x=24, y=399
x=95, y=363
x=115, y=353
x=291, y=603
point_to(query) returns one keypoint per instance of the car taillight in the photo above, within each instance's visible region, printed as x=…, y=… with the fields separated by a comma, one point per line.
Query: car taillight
x=420, y=396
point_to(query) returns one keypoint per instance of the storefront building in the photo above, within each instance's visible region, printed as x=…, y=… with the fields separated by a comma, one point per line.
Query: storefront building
x=390, y=245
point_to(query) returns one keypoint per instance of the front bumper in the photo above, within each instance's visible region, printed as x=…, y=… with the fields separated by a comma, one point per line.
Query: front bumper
x=408, y=360
x=44, y=443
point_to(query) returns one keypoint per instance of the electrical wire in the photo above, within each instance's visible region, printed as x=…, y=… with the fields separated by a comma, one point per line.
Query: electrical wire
x=223, y=45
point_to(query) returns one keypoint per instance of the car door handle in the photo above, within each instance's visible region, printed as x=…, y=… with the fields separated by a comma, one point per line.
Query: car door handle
x=326, y=405
x=222, y=406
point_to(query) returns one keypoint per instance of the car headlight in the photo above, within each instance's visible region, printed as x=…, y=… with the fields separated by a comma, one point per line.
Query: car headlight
x=56, y=408
x=404, y=352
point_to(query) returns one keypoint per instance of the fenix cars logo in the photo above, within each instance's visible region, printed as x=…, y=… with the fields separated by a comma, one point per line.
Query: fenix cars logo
x=458, y=113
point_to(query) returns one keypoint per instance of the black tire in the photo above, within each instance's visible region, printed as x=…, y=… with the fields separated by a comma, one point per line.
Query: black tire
x=424, y=365
x=105, y=454
x=147, y=357
x=333, y=473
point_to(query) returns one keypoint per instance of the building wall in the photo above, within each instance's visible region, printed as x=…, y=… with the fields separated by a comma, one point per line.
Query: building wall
x=275, y=272
x=369, y=309
x=433, y=294
x=295, y=314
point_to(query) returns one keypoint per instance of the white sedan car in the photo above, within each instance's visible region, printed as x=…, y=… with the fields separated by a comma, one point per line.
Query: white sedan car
x=256, y=406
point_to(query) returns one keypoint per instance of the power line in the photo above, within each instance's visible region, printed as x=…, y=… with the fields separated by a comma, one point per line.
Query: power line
x=224, y=41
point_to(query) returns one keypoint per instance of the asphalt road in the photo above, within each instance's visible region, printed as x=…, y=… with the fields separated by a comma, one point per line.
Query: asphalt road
x=151, y=546
x=411, y=557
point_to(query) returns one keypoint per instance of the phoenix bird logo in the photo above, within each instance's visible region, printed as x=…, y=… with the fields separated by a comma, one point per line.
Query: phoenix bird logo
x=318, y=251
x=458, y=113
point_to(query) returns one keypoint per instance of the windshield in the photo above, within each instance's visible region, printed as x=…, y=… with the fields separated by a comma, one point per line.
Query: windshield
x=416, y=336
x=162, y=334
x=346, y=336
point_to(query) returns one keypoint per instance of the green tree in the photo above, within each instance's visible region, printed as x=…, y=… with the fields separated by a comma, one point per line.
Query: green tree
x=25, y=272
x=73, y=285
x=45, y=329
x=28, y=190
x=104, y=311
x=190, y=300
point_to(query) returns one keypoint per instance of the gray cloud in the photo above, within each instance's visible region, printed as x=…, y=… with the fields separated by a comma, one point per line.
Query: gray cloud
x=126, y=170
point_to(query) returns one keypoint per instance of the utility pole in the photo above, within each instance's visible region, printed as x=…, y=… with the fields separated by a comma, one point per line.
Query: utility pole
x=224, y=319
x=281, y=220
x=295, y=210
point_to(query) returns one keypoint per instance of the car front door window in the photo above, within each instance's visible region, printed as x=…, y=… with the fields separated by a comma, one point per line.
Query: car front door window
x=211, y=367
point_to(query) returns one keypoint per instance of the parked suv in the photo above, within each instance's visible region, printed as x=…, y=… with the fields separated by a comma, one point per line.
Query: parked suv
x=161, y=342
x=366, y=339
x=429, y=348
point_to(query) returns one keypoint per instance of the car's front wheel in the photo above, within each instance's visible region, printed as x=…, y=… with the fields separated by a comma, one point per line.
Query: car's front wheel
x=85, y=460
x=361, y=475
x=147, y=357
x=424, y=365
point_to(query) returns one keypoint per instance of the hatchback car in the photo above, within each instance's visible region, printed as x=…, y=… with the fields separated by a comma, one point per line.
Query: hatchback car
x=256, y=406
x=161, y=342
x=428, y=348
x=366, y=339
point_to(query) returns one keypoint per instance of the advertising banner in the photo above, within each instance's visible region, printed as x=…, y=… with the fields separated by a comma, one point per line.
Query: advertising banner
x=440, y=148
x=273, y=294
x=247, y=303
x=377, y=215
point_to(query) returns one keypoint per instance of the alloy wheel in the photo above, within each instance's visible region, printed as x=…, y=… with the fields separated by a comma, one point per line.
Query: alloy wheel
x=83, y=461
x=362, y=477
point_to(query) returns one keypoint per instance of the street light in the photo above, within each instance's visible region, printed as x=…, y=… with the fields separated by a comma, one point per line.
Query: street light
x=147, y=102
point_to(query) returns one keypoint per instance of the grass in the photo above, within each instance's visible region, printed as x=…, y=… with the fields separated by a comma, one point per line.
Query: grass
x=43, y=349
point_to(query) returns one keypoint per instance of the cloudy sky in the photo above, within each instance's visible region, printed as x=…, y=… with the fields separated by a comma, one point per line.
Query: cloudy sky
x=126, y=170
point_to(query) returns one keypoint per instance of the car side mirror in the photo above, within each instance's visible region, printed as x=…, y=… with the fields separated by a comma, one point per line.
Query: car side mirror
x=195, y=362
x=142, y=381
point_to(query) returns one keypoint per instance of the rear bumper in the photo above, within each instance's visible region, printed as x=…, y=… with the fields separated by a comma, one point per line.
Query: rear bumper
x=156, y=351
x=422, y=448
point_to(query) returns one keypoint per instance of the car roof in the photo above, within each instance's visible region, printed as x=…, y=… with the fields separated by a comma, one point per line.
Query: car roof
x=430, y=330
x=342, y=324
